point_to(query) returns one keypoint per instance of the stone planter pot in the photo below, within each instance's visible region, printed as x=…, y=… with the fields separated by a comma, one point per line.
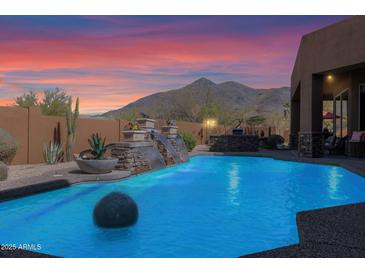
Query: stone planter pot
x=96, y=166
x=169, y=131
x=134, y=135
x=146, y=123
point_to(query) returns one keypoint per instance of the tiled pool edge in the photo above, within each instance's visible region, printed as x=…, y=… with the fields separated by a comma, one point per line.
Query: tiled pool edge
x=18, y=192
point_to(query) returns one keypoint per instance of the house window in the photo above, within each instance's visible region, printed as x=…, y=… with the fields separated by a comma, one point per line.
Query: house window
x=340, y=122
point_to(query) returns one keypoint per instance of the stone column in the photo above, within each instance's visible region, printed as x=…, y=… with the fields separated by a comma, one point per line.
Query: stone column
x=294, y=123
x=311, y=107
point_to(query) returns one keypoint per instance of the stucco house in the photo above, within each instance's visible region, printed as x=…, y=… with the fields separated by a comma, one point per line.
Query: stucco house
x=330, y=66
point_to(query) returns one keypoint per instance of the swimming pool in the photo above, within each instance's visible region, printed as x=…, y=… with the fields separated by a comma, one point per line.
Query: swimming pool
x=211, y=206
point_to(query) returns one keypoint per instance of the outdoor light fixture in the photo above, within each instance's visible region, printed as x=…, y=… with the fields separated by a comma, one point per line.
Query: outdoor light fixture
x=211, y=122
x=330, y=77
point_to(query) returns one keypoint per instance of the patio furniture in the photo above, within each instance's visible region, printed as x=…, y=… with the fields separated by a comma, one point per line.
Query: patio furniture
x=340, y=146
x=335, y=145
x=282, y=147
x=330, y=144
x=355, y=147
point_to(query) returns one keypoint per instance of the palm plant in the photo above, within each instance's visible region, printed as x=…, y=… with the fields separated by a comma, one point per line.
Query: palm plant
x=97, y=145
x=52, y=153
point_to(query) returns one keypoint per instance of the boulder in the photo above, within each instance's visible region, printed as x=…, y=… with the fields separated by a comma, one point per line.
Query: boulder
x=115, y=210
x=3, y=171
x=8, y=146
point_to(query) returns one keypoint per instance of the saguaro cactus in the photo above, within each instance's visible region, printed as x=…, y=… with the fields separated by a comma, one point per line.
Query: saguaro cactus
x=71, y=118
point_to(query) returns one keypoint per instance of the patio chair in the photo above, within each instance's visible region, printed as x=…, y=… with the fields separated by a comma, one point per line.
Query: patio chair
x=330, y=144
x=340, y=146
x=356, y=145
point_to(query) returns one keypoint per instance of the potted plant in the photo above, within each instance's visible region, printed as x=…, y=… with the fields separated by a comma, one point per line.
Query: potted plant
x=133, y=133
x=93, y=160
x=170, y=131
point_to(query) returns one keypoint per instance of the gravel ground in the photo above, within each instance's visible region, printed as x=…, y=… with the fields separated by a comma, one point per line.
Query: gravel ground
x=18, y=172
x=29, y=175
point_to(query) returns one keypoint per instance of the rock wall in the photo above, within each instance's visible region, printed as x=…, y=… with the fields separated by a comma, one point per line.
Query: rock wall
x=310, y=144
x=234, y=143
x=130, y=158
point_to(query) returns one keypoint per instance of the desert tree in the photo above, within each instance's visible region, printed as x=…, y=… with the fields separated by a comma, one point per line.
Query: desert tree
x=28, y=99
x=256, y=121
x=54, y=102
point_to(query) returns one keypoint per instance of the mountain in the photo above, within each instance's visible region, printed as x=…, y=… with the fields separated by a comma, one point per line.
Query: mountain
x=186, y=103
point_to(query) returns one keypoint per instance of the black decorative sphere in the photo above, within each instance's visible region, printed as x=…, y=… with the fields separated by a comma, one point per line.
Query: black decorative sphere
x=115, y=210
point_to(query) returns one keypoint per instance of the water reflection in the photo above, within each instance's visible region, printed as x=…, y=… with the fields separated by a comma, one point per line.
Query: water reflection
x=334, y=180
x=234, y=181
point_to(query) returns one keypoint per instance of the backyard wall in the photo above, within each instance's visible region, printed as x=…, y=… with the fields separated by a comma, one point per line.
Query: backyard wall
x=31, y=130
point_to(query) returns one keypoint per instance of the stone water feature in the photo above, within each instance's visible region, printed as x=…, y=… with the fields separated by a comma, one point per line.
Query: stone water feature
x=171, y=145
x=179, y=145
x=147, y=148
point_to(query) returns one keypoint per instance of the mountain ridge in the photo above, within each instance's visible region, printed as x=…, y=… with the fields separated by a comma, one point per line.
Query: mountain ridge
x=186, y=103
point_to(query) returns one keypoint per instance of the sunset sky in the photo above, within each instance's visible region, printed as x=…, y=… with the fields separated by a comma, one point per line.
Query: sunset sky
x=110, y=61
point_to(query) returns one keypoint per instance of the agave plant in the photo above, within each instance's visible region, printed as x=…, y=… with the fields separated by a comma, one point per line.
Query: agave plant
x=52, y=153
x=97, y=145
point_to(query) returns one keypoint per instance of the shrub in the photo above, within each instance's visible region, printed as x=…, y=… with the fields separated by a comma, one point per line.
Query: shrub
x=3, y=171
x=52, y=153
x=189, y=140
x=273, y=140
x=8, y=146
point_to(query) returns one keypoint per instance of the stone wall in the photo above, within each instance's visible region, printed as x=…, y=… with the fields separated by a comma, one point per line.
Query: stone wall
x=234, y=143
x=310, y=144
x=130, y=158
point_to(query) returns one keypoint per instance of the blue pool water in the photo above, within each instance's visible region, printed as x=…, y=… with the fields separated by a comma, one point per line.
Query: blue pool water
x=212, y=206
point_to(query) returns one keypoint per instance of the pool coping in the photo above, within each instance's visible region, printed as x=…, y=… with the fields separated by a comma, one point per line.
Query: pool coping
x=62, y=178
